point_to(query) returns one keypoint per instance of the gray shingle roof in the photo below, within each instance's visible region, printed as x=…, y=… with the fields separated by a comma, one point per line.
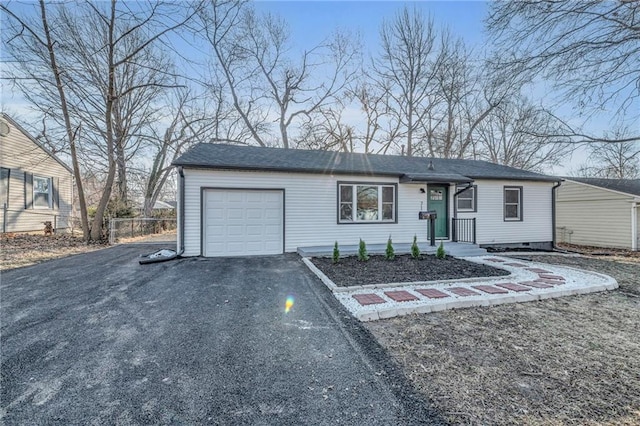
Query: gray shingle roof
x=628, y=186
x=238, y=157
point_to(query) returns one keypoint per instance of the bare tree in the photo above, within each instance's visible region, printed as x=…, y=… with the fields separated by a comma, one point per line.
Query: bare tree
x=326, y=130
x=505, y=137
x=96, y=47
x=33, y=42
x=373, y=103
x=406, y=69
x=189, y=124
x=589, y=49
x=612, y=161
x=267, y=82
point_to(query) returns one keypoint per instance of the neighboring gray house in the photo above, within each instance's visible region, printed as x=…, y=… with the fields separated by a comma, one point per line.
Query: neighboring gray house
x=240, y=200
x=35, y=186
x=599, y=212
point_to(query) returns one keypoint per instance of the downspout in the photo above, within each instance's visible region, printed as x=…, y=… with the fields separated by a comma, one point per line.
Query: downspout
x=553, y=213
x=181, y=212
x=634, y=226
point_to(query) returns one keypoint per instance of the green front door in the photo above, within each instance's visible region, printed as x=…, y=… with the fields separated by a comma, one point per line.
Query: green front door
x=437, y=200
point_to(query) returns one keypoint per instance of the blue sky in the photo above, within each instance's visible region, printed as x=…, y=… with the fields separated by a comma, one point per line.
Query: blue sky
x=311, y=21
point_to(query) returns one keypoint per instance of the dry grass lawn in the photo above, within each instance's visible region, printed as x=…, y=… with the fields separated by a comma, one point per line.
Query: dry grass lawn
x=18, y=250
x=569, y=361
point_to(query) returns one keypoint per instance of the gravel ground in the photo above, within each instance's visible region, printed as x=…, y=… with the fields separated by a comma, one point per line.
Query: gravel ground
x=568, y=361
x=349, y=271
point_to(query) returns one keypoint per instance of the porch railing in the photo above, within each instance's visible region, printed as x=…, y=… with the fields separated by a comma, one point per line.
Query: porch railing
x=463, y=230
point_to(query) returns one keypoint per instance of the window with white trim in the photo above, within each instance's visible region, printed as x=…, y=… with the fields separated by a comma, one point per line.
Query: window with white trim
x=366, y=203
x=466, y=200
x=41, y=192
x=4, y=186
x=513, y=203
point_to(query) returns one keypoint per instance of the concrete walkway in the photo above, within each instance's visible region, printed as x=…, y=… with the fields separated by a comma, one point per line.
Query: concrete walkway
x=528, y=281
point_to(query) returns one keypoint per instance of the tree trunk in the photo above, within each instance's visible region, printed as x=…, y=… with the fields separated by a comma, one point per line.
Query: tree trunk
x=71, y=134
x=96, y=227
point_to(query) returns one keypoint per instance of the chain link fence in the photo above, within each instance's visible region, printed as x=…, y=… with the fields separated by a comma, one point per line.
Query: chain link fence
x=141, y=230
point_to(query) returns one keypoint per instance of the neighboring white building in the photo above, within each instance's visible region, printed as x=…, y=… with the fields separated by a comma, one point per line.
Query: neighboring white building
x=599, y=212
x=239, y=200
x=35, y=186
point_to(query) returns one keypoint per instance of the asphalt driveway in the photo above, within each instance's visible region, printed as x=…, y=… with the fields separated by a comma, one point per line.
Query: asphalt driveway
x=99, y=339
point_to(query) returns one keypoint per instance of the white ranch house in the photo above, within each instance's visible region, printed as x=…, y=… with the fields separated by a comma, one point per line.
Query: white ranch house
x=241, y=200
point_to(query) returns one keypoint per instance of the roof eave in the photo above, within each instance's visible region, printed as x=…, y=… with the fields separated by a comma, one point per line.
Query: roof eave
x=283, y=169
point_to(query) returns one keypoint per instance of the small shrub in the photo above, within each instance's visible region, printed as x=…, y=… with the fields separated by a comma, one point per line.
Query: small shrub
x=440, y=253
x=415, y=250
x=363, y=256
x=336, y=253
x=389, y=254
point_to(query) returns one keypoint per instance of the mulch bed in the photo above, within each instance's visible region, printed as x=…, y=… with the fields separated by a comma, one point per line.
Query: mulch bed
x=349, y=271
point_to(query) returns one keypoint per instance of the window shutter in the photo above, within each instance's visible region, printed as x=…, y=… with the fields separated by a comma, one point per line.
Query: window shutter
x=475, y=198
x=55, y=183
x=28, y=190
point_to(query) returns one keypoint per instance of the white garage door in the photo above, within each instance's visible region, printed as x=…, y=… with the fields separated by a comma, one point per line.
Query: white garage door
x=242, y=222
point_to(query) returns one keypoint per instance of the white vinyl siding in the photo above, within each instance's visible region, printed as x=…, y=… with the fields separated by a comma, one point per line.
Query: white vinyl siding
x=311, y=204
x=491, y=228
x=20, y=154
x=587, y=215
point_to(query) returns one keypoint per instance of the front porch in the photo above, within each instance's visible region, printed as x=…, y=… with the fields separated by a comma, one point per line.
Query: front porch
x=456, y=249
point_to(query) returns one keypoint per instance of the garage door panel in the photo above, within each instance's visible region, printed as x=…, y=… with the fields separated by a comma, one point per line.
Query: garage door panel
x=235, y=230
x=254, y=230
x=216, y=213
x=243, y=222
x=235, y=248
x=272, y=214
x=254, y=213
x=255, y=197
x=272, y=231
x=272, y=197
x=234, y=196
x=215, y=231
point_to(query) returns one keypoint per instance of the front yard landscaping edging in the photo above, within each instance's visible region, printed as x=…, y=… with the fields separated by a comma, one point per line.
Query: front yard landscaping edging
x=528, y=281
x=347, y=289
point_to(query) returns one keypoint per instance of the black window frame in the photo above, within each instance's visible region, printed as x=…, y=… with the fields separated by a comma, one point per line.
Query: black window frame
x=520, y=204
x=354, y=201
x=474, y=208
